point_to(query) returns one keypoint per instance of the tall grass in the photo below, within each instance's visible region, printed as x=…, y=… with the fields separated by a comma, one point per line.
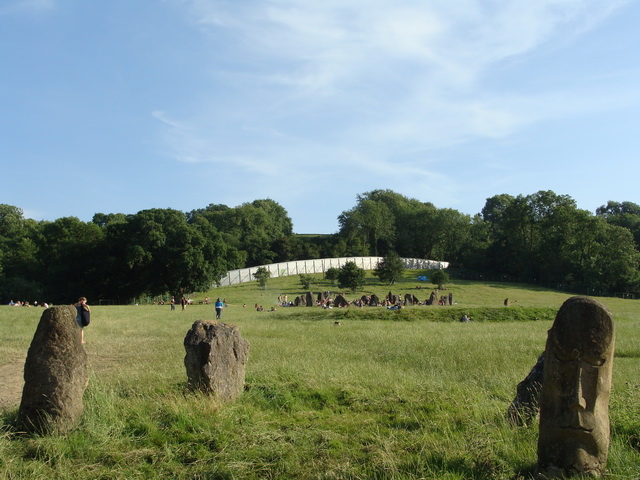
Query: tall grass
x=384, y=395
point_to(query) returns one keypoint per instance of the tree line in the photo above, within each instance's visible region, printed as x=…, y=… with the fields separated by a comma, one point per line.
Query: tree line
x=543, y=238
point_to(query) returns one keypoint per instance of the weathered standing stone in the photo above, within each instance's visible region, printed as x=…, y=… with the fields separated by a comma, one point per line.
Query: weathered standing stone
x=526, y=405
x=340, y=301
x=298, y=301
x=574, y=405
x=451, y=299
x=433, y=298
x=216, y=358
x=375, y=301
x=408, y=299
x=309, y=299
x=55, y=374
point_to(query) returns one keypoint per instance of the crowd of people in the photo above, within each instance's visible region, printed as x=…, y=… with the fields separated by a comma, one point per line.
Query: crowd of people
x=391, y=301
x=27, y=304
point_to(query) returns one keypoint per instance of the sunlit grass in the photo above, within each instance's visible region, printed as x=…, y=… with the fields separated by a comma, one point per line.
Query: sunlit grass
x=380, y=396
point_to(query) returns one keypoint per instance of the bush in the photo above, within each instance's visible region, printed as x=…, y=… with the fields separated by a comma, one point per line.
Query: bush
x=439, y=278
x=351, y=276
x=305, y=280
x=262, y=275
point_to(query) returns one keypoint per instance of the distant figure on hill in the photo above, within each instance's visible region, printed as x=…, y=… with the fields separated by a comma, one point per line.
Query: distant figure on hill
x=219, y=306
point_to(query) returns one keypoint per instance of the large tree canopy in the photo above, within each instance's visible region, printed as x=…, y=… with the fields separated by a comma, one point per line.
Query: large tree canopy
x=156, y=251
x=542, y=238
x=255, y=228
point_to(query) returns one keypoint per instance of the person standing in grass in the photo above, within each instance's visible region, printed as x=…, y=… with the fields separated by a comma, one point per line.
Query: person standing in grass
x=219, y=306
x=83, y=316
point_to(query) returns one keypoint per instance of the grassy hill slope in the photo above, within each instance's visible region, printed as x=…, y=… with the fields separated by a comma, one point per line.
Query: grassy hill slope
x=384, y=395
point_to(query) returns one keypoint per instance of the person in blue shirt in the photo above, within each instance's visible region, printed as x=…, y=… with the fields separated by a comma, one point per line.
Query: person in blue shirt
x=219, y=306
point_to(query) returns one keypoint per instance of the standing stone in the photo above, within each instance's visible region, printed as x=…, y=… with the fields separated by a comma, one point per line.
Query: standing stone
x=340, y=301
x=374, y=301
x=433, y=298
x=298, y=301
x=216, y=358
x=309, y=299
x=451, y=299
x=408, y=299
x=526, y=405
x=55, y=375
x=574, y=405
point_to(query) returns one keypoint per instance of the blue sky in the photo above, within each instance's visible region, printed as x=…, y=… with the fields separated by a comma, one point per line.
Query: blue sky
x=124, y=105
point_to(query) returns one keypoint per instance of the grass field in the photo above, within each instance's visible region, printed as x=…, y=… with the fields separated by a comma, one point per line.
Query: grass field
x=413, y=394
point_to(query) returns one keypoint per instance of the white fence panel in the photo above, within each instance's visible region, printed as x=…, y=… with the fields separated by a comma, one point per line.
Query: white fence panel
x=321, y=265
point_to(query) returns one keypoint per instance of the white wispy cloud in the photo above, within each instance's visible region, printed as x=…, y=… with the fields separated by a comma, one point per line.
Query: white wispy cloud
x=375, y=83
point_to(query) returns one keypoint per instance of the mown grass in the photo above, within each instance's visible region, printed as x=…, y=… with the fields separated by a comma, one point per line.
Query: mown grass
x=385, y=395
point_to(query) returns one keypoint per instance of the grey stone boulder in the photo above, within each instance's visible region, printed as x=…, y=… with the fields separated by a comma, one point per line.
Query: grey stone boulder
x=216, y=359
x=55, y=375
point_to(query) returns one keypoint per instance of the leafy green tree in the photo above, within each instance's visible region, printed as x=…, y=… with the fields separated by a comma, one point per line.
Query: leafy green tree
x=157, y=252
x=390, y=268
x=257, y=228
x=371, y=221
x=332, y=274
x=73, y=263
x=623, y=214
x=439, y=278
x=21, y=273
x=600, y=256
x=351, y=276
x=262, y=275
x=521, y=229
x=104, y=219
x=305, y=281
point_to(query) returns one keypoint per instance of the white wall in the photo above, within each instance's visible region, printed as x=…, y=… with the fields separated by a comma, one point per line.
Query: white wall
x=321, y=265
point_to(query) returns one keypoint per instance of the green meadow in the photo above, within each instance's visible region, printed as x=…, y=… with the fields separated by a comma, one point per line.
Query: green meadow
x=410, y=394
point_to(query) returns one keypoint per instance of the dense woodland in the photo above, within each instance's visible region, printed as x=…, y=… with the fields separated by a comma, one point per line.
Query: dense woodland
x=543, y=238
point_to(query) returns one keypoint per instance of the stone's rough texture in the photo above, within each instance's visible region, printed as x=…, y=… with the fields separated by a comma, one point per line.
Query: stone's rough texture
x=433, y=298
x=55, y=375
x=375, y=301
x=410, y=299
x=340, y=301
x=526, y=405
x=574, y=404
x=216, y=359
x=309, y=299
